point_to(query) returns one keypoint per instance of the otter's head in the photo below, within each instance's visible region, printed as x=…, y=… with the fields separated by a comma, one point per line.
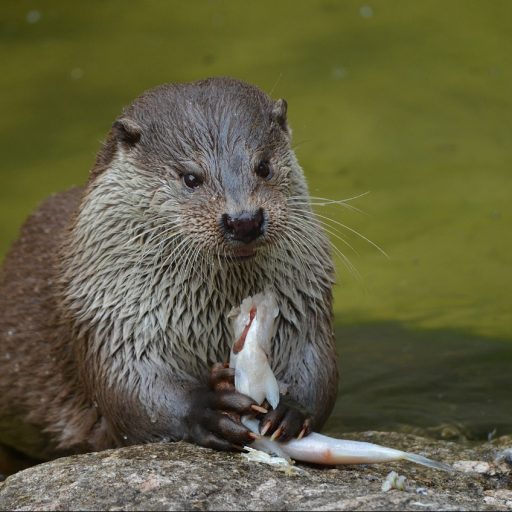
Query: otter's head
x=216, y=165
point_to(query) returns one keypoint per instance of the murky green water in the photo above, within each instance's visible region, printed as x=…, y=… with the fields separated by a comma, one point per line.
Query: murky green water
x=408, y=100
x=440, y=383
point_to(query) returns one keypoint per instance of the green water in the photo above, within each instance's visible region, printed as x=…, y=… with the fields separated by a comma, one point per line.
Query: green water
x=410, y=101
x=438, y=383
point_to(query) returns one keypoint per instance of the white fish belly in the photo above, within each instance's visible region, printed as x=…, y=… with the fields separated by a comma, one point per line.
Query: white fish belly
x=320, y=449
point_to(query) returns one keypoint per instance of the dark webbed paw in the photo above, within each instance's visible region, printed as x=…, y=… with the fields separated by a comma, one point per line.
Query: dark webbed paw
x=289, y=419
x=214, y=420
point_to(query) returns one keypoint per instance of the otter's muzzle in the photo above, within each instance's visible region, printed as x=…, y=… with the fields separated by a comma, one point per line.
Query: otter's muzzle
x=244, y=227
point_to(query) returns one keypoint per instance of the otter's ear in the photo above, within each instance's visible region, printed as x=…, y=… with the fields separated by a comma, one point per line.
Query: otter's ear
x=279, y=114
x=127, y=131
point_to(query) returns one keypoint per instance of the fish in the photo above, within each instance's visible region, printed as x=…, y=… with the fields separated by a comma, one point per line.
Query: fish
x=254, y=325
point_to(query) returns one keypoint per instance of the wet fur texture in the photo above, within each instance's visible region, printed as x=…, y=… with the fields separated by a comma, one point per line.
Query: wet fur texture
x=114, y=300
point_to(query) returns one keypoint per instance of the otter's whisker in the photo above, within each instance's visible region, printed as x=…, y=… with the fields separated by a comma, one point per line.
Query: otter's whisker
x=156, y=254
x=344, y=226
x=146, y=232
x=317, y=223
x=302, y=241
x=307, y=247
x=356, y=233
x=175, y=254
x=346, y=261
x=197, y=263
x=328, y=200
x=166, y=237
x=295, y=248
x=186, y=259
x=148, y=246
x=324, y=201
x=195, y=254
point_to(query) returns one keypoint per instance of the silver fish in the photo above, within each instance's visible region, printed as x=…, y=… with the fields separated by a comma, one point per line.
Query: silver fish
x=254, y=327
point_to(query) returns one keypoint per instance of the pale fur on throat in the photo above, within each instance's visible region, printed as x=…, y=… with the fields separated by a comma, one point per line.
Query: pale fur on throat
x=130, y=297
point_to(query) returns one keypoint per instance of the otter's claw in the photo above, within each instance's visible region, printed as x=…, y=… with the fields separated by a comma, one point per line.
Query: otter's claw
x=259, y=409
x=288, y=420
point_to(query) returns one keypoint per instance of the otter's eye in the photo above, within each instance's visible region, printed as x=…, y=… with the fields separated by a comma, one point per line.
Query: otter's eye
x=191, y=180
x=263, y=170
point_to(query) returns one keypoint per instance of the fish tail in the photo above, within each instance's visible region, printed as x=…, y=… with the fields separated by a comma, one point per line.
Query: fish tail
x=424, y=461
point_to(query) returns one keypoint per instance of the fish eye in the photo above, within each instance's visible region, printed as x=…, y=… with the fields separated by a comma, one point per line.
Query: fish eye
x=264, y=170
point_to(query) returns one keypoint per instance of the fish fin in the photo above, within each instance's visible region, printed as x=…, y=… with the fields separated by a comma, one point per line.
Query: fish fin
x=424, y=461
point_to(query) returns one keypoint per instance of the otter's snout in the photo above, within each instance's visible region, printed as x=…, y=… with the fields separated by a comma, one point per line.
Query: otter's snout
x=243, y=227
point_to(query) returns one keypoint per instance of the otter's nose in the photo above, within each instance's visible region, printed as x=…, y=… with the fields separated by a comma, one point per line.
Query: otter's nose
x=244, y=227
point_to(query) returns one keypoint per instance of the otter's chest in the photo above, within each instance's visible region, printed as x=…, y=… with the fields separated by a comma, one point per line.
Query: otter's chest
x=199, y=332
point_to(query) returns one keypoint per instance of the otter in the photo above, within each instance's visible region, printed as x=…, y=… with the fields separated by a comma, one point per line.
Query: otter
x=114, y=300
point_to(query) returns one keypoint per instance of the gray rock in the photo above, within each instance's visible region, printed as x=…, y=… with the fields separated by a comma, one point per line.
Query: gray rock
x=179, y=476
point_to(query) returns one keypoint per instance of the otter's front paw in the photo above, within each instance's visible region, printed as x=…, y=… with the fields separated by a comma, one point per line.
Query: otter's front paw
x=214, y=421
x=289, y=419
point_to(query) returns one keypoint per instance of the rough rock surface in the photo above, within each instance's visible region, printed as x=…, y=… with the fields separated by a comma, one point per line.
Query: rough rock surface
x=179, y=476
